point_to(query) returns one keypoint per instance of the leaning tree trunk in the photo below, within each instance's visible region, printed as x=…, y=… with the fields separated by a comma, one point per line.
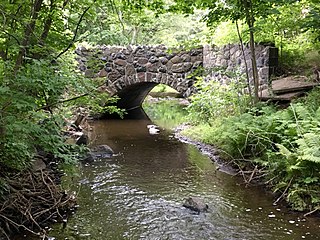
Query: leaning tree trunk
x=254, y=67
x=247, y=4
x=245, y=61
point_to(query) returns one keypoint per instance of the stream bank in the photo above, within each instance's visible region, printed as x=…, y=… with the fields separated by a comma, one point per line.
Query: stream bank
x=140, y=191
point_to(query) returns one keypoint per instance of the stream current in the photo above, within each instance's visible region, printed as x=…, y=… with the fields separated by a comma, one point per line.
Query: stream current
x=138, y=193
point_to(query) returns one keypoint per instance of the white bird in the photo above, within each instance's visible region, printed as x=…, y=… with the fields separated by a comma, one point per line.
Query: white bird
x=153, y=129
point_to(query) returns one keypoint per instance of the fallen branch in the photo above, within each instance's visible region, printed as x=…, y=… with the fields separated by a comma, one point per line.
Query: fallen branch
x=19, y=225
x=68, y=100
x=252, y=174
x=284, y=192
x=35, y=199
x=311, y=212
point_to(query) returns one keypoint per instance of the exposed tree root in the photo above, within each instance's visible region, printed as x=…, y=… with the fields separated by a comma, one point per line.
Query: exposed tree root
x=34, y=200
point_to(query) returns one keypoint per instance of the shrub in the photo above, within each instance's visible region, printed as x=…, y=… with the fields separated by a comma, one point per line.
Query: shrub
x=284, y=143
x=215, y=100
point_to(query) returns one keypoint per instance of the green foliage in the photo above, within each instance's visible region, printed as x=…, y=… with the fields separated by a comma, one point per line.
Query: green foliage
x=170, y=113
x=141, y=23
x=98, y=103
x=25, y=127
x=214, y=100
x=162, y=88
x=313, y=19
x=225, y=33
x=37, y=76
x=293, y=26
x=291, y=30
x=286, y=143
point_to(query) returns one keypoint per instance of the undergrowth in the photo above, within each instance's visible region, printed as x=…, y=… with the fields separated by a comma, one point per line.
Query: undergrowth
x=284, y=145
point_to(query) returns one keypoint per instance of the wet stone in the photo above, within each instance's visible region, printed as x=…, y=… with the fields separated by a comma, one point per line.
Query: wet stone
x=195, y=204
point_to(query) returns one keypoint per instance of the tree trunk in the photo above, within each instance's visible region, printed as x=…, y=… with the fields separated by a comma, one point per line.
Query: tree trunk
x=245, y=61
x=254, y=67
x=134, y=35
x=247, y=4
x=35, y=9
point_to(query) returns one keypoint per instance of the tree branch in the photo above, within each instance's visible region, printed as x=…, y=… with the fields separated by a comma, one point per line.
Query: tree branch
x=75, y=33
x=63, y=101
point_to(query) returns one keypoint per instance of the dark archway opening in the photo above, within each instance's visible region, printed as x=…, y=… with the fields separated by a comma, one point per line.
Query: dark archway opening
x=132, y=97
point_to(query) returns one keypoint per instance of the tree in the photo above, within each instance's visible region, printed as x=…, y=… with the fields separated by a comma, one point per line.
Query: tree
x=312, y=23
x=235, y=10
x=35, y=72
x=119, y=22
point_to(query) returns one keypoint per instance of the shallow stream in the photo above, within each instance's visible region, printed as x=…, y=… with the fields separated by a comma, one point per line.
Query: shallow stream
x=138, y=194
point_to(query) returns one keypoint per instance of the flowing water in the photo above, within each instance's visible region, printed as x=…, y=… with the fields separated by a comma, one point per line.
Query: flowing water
x=138, y=194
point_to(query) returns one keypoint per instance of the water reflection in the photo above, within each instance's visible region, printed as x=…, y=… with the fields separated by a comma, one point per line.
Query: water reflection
x=138, y=194
x=167, y=114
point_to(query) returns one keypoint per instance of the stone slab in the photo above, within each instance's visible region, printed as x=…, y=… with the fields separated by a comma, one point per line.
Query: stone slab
x=265, y=96
x=292, y=84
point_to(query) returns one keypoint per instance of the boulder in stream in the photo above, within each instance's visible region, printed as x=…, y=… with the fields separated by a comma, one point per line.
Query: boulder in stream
x=102, y=151
x=98, y=152
x=195, y=204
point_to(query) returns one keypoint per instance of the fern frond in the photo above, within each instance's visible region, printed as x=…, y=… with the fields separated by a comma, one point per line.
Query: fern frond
x=309, y=147
x=311, y=158
x=284, y=151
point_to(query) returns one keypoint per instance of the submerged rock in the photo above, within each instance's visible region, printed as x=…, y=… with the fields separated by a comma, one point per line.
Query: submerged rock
x=195, y=204
x=102, y=150
x=98, y=152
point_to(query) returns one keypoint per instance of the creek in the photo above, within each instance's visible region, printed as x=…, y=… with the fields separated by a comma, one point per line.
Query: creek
x=138, y=194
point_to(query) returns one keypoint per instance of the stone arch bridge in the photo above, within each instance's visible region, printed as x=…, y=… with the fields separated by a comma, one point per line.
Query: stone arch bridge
x=132, y=71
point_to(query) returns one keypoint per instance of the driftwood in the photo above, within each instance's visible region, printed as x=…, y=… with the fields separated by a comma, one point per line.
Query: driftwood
x=34, y=200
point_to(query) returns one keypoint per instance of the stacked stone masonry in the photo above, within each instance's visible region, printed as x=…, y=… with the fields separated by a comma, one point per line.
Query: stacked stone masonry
x=230, y=58
x=126, y=66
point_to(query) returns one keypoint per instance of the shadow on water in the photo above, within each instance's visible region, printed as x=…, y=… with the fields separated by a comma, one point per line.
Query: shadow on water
x=138, y=194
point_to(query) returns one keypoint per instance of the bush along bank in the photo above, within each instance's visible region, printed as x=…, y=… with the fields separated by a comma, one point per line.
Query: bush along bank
x=279, y=148
x=31, y=196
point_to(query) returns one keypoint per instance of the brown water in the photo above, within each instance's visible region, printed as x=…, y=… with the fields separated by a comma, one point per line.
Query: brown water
x=138, y=194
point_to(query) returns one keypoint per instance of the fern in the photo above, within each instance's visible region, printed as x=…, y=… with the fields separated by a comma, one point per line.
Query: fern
x=309, y=147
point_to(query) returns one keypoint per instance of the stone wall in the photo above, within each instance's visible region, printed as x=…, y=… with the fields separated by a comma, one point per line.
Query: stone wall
x=230, y=58
x=131, y=72
x=125, y=66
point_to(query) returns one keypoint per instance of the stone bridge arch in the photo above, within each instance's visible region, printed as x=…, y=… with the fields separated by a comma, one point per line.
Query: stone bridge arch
x=131, y=72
